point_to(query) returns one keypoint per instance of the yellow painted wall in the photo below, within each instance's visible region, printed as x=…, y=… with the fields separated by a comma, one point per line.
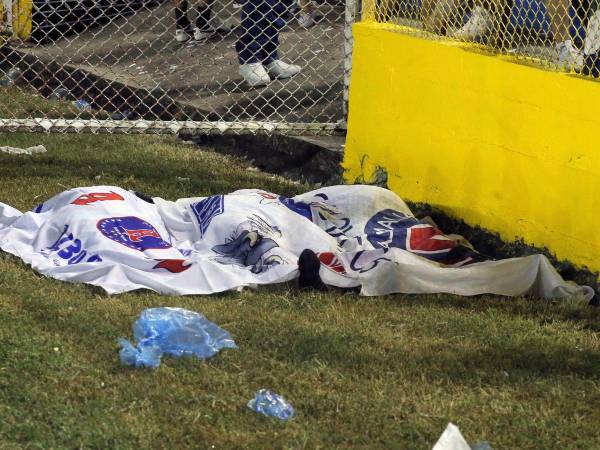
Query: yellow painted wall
x=22, y=11
x=507, y=146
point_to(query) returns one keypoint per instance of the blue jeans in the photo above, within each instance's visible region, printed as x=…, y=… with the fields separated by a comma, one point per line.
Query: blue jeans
x=261, y=22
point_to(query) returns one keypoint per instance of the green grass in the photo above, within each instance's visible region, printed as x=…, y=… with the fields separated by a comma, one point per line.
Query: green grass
x=20, y=102
x=361, y=372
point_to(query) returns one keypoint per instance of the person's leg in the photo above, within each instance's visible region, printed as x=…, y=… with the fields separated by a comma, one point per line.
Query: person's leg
x=181, y=20
x=206, y=22
x=182, y=23
x=580, y=10
x=306, y=5
x=258, y=46
x=426, y=13
x=270, y=41
x=591, y=48
x=308, y=15
x=494, y=21
x=249, y=47
x=560, y=23
x=443, y=16
x=480, y=23
x=203, y=12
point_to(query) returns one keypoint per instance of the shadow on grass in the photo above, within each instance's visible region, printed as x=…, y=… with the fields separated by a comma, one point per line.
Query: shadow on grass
x=509, y=364
x=576, y=311
x=481, y=357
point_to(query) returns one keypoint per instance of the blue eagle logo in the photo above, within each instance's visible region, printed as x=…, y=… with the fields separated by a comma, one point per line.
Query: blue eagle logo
x=251, y=247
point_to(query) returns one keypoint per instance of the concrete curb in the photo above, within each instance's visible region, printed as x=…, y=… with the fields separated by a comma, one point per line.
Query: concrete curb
x=315, y=160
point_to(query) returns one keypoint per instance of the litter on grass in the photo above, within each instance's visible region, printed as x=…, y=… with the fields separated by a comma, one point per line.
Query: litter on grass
x=23, y=151
x=452, y=439
x=175, y=332
x=268, y=403
x=82, y=105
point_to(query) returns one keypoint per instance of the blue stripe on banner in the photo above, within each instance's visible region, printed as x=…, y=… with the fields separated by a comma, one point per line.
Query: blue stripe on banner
x=206, y=210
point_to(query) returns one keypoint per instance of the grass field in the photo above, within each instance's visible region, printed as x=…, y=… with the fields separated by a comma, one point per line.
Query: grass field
x=23, y=102
x=361, y=372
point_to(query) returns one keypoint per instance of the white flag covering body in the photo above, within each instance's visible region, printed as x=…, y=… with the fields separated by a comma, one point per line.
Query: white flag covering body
x=364, y=236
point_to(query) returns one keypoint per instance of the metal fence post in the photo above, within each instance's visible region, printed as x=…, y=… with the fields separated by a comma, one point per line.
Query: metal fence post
x=349, y=18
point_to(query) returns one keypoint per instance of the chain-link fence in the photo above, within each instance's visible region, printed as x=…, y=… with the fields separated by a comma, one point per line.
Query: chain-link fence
x=562, y=35
x=167, y=66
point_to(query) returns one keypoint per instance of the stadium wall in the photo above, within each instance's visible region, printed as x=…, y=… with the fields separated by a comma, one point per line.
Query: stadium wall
x=491, y=140
x=21, y=18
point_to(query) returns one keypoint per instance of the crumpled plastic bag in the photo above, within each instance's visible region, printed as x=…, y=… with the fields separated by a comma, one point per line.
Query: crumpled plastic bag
x=452, y=439
x=175, y=332
x=270, y=404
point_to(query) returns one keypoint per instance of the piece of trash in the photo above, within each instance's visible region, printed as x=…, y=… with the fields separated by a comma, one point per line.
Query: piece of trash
x=183, y=179
x=452, y=439
x=122, y=115
x=60, y=94
x=23, y=151
x=237, y=5
x=82, y=105
x=270, y=404
x=173, y=67
x=14, y=74
x=175, y=332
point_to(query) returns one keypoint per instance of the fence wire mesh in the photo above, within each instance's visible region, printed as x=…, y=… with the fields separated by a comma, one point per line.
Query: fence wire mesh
x=165, y=66
x=560, y=35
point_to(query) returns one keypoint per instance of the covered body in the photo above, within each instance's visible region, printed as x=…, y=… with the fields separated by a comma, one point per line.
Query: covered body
x=364, y=236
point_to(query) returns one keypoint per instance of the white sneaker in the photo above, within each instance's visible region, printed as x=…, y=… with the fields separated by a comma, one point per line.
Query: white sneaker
x=569, y=56
x=476, y=27
x=182, y=36
x=308, y=20
x=201, y=35
x=254, y=74
x=280, y=69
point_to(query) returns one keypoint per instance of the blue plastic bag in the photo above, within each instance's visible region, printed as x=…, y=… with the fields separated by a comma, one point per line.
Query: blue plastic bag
x=269, y=403
x=82, y=105
x=175, y=332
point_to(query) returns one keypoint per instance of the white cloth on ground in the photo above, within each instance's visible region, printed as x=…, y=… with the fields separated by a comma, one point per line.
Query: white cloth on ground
x=364, y=236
